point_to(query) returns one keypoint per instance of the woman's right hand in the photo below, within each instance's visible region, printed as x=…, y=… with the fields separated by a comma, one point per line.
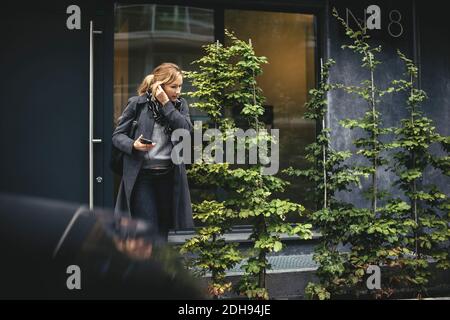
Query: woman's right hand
x=140, y=146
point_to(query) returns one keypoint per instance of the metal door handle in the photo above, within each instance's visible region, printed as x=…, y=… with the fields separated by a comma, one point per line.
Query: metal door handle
x=92, y=140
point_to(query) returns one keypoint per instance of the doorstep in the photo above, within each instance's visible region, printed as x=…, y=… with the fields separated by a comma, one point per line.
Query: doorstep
x=236, y=235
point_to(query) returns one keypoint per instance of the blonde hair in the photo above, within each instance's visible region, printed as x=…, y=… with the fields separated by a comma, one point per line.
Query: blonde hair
x=164, y=73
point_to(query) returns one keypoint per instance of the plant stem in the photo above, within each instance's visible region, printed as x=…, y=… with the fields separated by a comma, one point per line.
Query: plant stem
x=262, y=255
x=325, y=201
x=414, y=181
x=374, y=138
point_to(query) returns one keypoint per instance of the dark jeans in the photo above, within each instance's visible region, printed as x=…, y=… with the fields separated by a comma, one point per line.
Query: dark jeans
x=152, y=200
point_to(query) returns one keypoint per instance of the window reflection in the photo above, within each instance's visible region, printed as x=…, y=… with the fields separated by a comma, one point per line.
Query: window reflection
x=147, y=35
x=288, y=42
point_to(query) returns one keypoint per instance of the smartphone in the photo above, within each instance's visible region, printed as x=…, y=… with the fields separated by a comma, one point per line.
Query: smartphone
x=146, y=141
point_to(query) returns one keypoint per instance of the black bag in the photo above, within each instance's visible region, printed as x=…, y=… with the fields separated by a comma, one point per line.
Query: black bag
x=116, y=160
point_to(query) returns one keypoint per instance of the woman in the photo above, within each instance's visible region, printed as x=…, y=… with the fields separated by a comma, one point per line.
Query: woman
x=153, y=188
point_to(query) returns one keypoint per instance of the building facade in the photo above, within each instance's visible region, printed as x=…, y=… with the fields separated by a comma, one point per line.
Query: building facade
x=68, y=68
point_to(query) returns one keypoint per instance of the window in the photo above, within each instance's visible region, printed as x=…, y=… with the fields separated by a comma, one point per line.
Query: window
x=288, y=41
x=147, y=35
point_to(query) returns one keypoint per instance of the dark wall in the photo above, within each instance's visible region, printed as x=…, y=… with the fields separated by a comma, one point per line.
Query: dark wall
x=348, y=70
x=434, y=53
x=44, y=99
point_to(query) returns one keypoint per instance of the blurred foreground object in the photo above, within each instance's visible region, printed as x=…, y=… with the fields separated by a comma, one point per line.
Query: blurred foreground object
x=55, y=250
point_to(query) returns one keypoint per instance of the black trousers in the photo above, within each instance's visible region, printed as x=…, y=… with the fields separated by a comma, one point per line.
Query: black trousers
x=152, y=200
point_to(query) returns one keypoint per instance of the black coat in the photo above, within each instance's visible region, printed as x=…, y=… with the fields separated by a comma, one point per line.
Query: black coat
x=134, y=159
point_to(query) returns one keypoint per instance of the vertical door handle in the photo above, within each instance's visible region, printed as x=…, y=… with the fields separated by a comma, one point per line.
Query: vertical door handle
x=92, y=140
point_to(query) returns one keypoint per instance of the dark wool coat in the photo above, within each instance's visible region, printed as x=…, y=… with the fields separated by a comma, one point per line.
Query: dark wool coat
x=134, y=159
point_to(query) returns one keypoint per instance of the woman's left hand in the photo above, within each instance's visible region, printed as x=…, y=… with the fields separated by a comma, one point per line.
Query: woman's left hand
x=161, y=95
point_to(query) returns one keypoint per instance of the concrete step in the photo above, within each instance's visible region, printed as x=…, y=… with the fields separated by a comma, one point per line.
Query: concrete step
x=293, y=267
x=237, y=235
